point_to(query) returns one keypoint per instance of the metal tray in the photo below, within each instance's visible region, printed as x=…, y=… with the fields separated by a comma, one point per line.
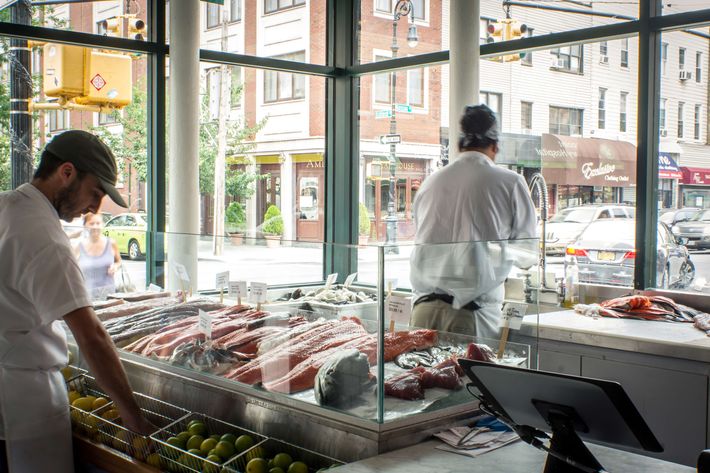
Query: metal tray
x=270, y=447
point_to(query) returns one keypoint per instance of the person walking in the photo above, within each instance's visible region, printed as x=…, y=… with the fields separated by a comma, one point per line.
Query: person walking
x=99, y=258
x=41, y=285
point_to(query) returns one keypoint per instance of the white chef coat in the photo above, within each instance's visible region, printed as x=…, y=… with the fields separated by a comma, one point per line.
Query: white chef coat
x=471, y=200
x=40, y=282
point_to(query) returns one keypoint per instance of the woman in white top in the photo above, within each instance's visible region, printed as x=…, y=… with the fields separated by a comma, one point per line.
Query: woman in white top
x=99, y=258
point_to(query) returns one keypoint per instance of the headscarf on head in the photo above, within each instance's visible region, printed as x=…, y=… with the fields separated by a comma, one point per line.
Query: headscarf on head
x=479, y=127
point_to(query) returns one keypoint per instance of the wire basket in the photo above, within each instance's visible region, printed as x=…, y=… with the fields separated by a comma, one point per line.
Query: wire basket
x=70, y=372
x=271, y=447
x=113, y=434
x=82, y=420
x=175, y=458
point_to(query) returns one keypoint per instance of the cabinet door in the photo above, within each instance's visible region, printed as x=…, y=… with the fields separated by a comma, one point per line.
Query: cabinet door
x=557, y=362
x=673, y=403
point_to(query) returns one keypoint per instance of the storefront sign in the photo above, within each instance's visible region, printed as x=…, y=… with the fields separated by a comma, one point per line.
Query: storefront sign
x=667, y=167
x=696, y=176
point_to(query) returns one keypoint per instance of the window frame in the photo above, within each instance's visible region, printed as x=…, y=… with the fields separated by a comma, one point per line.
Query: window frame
x=681, y=122
x=280, y=75
x=232, y=4
x=601, y=108
x=681, y=58
x=623, y=107
x=560, y=55
x=570, y=111
x=217, y=9
x=697, y=114
x=66, y=119
x=698, y=66
x=279, y=8
x=422, y=90
x=624, y=55
x=526, y=115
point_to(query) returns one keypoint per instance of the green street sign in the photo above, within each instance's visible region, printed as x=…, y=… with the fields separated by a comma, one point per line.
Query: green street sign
x=216, y=2
x=383, y=114
x=400, y=107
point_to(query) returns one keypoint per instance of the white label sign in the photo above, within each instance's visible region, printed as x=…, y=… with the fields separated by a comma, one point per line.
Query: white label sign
x=331, y=279
x=205, y=324
x=513, y=313
x=182, y=273
x=350, y=279
x=399, y=309
x=154, y=288
x=257, y=292
x=238, y=289
x=222, y=280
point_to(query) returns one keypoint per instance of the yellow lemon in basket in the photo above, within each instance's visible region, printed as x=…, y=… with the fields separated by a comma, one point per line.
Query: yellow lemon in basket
x=282, y=460
x=111, y=414
x=198, y=428
x=225, y=449
x=154, y=460
x=207, y=445
x=83, y=403
x=93, y=398
x=243, y=442
x=91, y=424
x=99, y=402
x=67, y=372
x=194, y=442
x=257, y=465
x=73, y=396
x=121, y=440
x=297, y=467
x=141, y=444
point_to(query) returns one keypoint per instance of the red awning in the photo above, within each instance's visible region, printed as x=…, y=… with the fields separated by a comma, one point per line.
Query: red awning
x=696, y=176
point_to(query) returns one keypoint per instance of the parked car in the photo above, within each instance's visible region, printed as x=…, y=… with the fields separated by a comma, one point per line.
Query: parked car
x=674, y=216
x=696, y=230
x=128, y=230
x=567, y=224
x=605, y=254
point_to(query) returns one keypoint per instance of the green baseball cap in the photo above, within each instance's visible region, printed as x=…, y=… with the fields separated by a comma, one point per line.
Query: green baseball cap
x=88, y=154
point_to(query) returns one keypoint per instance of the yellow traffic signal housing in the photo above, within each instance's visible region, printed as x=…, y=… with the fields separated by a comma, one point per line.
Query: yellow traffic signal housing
x=136, y=29
x=507, y=29
x=63, y=70
x=113, y=26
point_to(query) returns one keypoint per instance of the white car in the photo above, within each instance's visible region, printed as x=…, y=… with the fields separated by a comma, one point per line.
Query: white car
x=568, y=224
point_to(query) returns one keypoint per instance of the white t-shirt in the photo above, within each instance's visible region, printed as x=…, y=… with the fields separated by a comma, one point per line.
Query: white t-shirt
x=40, y=281
x=471, y=200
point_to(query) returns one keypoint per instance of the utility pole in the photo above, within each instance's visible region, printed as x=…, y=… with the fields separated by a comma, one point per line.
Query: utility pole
x=20, y=94
x=220, y=159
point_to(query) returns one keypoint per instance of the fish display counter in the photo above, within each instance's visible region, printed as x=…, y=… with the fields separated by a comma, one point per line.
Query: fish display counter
x=342, y=382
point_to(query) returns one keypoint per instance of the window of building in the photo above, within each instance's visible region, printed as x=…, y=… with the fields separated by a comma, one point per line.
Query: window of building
x=698, y=66
x=681, y=58
x=526, y=115
x=568, y=58
x=235, y=10
x=213, y=13
x=601, y=119
x=58, y=120
x=625, y=52
x=527, y=55
x=662, y=116
x=236, y=87
x=271, y=6
x=681, y=107
x=418, y=7
x=494, y=101
x=108, y=118
x=566, y=121
x=383, y=84
x=280, y=86
x=415, y=87
x=623, y=97
x=664, y=58
x=696, y=123
x=603, y=48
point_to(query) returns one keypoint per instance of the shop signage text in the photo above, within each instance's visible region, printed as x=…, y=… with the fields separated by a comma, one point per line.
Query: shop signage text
x=314, y=164
x=390, y=139
x=606, y=170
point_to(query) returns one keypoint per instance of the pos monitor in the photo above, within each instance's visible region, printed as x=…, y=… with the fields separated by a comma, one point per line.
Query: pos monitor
x=572, y=408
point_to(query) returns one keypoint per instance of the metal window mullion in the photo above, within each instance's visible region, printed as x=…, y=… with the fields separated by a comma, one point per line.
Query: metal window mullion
x=649, y=86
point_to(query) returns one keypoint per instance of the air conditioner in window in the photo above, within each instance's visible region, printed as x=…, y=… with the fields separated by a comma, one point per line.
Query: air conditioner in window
x=663, y=132
x=604, y=59
x=685, y=75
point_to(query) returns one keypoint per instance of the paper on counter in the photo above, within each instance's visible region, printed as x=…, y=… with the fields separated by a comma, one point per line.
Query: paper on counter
x=483, y=441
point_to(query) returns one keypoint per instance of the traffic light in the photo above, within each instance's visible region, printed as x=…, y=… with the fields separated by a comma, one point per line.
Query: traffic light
x=113, y=26
x=136, y=29
x=495, y=32
x=506, y=29
x=517, y=29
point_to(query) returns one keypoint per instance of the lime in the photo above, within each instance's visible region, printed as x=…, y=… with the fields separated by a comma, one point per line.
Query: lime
x=243, y=442
x=282, y=460
x=198, y=428
x=216, y=437
x=194, y=442
x=257, y=465
x=297, y=467
x=184, y=436
x=225, y=449
x=208, y=445
x=209, y=467
x=214, y=458
x=196, y=451
x=276, y=469
x=212, y=452
x=176, y=442
x=231, y=438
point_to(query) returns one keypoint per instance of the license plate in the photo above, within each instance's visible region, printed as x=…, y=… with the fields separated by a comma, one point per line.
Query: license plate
x=606, y=256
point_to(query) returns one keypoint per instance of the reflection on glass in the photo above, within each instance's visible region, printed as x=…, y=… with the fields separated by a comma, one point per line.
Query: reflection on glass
x=308, y=198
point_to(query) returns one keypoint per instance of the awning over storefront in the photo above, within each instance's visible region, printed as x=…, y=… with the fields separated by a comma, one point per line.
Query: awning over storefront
x=696, y=176
x=587, y=161
x=667, y=167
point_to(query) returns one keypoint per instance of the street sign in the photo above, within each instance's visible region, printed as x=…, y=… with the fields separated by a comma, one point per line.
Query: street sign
x=390, y=139
x=383, y=113
x=400, y=107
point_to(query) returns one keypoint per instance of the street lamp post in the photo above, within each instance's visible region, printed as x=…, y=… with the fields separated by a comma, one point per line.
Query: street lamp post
x=402, y=9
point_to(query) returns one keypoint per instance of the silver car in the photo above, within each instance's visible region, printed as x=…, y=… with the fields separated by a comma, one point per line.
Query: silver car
x=605, y=254
x=567, y=224
x=696, y=230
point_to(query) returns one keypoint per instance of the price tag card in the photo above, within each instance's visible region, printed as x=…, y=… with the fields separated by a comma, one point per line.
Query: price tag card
x=238, y=289
x=205, y=323
x=222, y=280
x=154, y=288
x=513, y=313
x=257, y=292
x=399, y=309
x=330, y=280
x=350, y=280
x=182, y=274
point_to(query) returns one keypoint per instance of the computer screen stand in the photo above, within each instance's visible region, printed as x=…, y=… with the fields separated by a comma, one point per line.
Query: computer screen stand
x=566, y=444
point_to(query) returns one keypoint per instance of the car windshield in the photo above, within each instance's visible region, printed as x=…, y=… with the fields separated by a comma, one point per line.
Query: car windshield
x=703, y=216
x=608, y=231
x=574, y=215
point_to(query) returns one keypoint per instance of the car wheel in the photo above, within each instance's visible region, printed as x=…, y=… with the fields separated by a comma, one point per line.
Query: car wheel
x=134, y=250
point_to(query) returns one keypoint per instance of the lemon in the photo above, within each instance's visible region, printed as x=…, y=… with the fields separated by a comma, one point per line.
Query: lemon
x=197, y=452
x=93, y=398
x=282, y=460
x=99, y=402
x=110, y=414
x=198, y=428
x=225, y=449
x=231, y=438
x=141, y=444
x=243, y=442
x=194, y=442
x=91, y=424
x=207, y=445
x=67, y=372
x=154, y=460
x=257, y=465
x=73, y=396
x=297, y=467
x=83, y=403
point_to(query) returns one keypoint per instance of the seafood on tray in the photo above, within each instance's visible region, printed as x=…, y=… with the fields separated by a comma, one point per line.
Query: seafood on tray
x=411, y=384
x=329, y=295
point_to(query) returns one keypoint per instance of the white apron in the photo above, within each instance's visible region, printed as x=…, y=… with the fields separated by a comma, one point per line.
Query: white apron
x=35, y=416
